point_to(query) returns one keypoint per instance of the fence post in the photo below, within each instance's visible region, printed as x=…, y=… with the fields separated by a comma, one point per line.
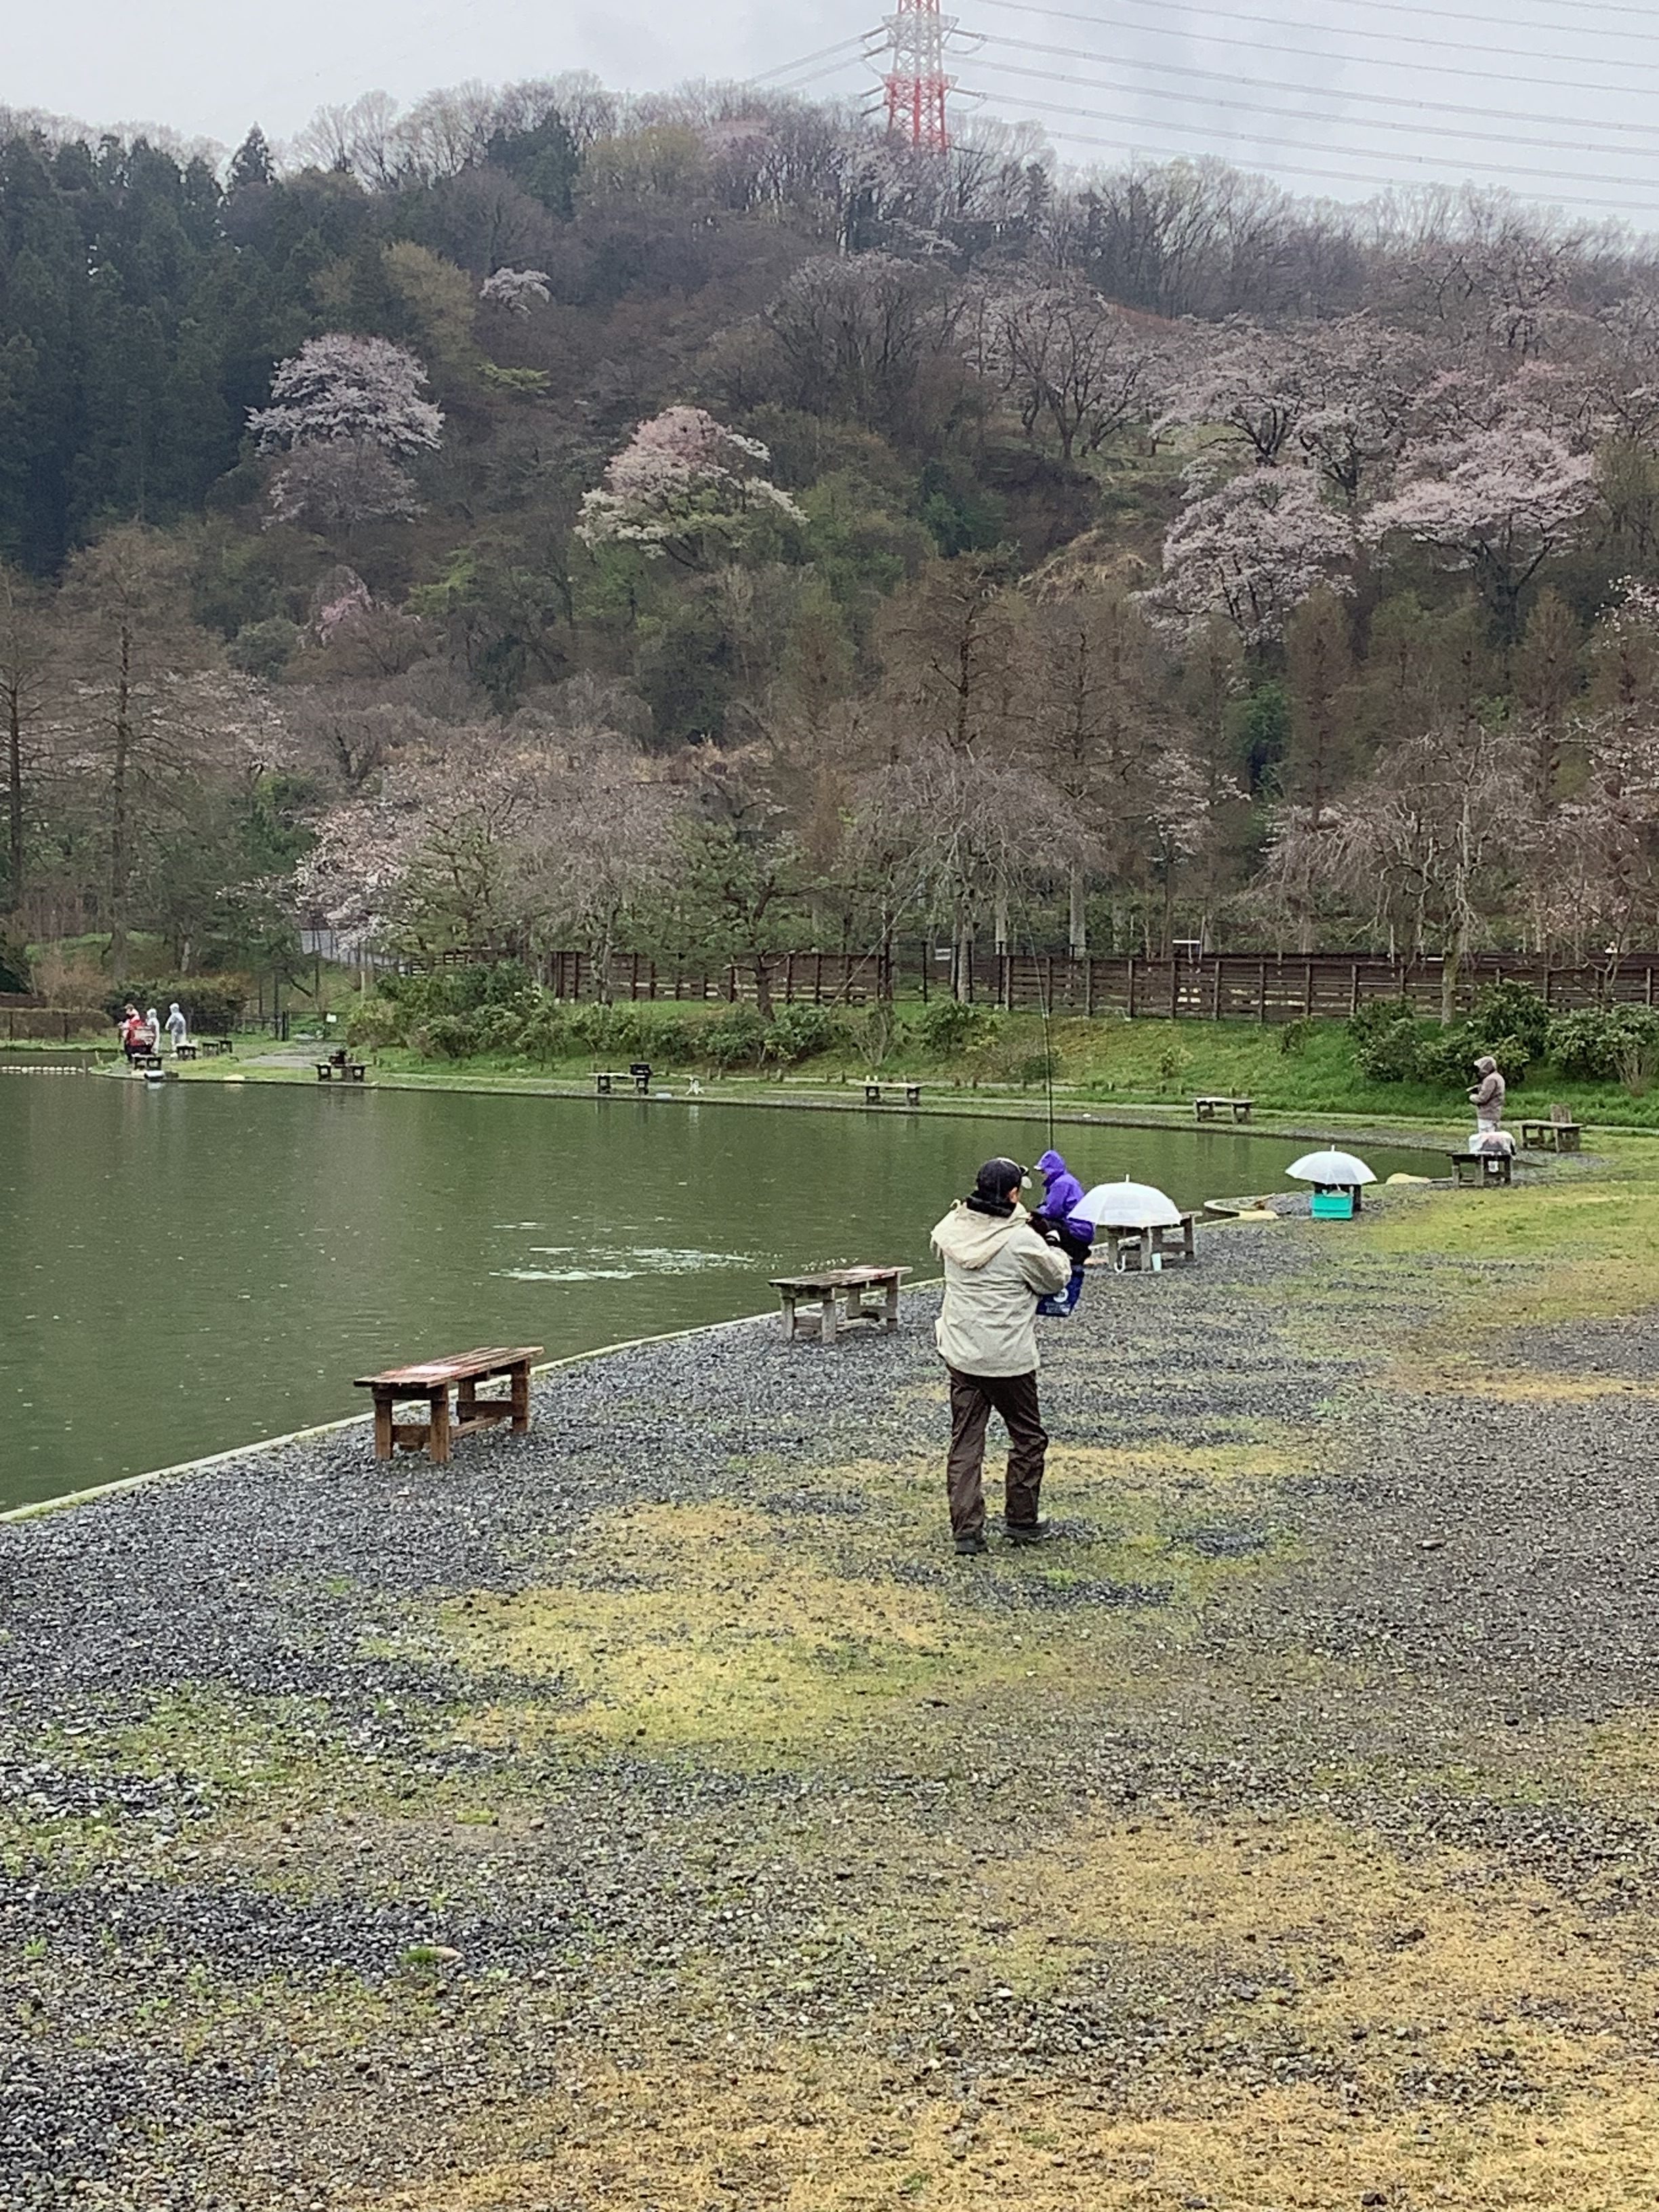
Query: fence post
x=1307, y=990
x=1088, y=987
x=1353, y=989
x=1262, y=991
x=1132, y=988
x=1215, y=988
x=1174, y=986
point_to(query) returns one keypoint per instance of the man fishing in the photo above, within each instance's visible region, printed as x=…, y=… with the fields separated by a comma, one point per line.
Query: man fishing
x=997, y=1266
x=1062, y=1193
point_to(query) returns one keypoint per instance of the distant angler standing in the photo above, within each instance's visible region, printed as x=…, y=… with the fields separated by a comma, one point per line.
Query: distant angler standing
x=997, y=1266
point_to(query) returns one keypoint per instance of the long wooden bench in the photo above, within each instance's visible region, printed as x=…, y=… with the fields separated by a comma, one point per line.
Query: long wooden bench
x=341, y=1071
x=825, y=1292
x=432, y=1379
x=873, y=1092
x=1207, y=1109
x=1555, y=1135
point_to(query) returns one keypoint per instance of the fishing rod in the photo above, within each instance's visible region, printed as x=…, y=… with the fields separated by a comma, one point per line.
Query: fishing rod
x=1046, y=1009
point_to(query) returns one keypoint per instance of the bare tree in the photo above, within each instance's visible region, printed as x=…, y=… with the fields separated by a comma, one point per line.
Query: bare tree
x=129, y=716
x=27, y=668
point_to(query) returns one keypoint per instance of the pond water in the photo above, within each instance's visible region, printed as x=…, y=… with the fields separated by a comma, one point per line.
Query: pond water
x=194, y=1265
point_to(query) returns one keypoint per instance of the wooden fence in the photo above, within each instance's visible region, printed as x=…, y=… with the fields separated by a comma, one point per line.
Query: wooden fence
x=1235, y=986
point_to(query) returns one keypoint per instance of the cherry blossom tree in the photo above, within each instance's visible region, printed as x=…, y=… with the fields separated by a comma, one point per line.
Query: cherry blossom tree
x=1497, y=502
x=347, y=411
x=1068, y=360
x=686, y=488
x=1255, y=385
x=1252, y=551
x=518, y=290
x=1335, y=395
x=1432, y=842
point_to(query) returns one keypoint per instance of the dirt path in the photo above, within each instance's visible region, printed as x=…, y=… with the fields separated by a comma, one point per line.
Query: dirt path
x=657, y=1815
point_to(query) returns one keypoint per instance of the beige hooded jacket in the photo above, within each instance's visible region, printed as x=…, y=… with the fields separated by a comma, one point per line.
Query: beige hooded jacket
x=1487, y=1097
x=995, y=1270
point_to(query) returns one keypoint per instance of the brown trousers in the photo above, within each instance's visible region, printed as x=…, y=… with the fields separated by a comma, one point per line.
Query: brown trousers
x=974, y=1397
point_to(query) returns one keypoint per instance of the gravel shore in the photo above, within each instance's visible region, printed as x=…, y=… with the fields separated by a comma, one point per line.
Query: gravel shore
x=654, y=1813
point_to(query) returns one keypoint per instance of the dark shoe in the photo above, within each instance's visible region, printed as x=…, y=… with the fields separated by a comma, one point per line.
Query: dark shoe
x=1030, y=1532
x=968, y=1545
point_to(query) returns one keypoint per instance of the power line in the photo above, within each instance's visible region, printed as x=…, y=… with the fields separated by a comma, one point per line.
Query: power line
x=1394, y=39
x=1133, y=149
x=1256, y=139
x=1347, y=98
x=1461, y=133
x=788, y=68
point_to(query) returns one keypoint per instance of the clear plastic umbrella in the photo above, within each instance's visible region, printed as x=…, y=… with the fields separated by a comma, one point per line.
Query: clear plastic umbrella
x=1128, y=1204
x=1336, y=1170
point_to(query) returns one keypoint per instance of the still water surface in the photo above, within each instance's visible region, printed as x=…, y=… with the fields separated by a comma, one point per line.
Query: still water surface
x=196, y=1266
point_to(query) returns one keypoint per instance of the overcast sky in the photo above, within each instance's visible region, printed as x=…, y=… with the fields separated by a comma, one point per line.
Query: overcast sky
x=1554, y=98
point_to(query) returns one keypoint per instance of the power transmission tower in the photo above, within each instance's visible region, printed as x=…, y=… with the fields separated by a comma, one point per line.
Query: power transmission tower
x=916, y=84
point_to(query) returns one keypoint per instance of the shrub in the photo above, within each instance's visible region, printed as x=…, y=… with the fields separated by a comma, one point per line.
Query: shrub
x=1384, y=1051
x=948, y=1027
x=1446, y=1058
x=1514, y=1009
x=1376, y=1016
x=802, y=1032
x=447, y=1036
x=545, y=1033
x=1035, y=1068
x=376, y=1022
x=738, y=1039
x=1604, y=1044
x=1293, y=1037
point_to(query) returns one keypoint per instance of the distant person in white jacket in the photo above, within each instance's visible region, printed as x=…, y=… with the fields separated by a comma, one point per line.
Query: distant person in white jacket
x=152, y=1024
x=997, y=1266
x=177, y=1027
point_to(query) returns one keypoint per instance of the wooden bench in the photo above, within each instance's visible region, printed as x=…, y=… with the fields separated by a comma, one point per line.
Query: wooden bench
x=912, y=1093
x=1130, y=1251
x=825, y=1292
x=144, y=1059
x=1176, y=1241
x=184, y=1051
x=1558, y=1134
x=1481, y=1170
x=212, y=1047
x=604, y=1080
x=1206, y=1109
x=341, y=1071
x=432, y=1380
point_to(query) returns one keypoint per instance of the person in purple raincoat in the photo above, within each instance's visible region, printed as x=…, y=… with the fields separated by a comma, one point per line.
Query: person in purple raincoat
x=1062, y=1193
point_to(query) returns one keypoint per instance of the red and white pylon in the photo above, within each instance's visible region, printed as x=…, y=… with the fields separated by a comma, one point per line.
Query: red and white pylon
x=915, y=84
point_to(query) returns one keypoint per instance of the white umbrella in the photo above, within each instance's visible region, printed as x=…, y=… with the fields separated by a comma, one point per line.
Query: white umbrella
x=1340, y=1170
x=1128, y=1204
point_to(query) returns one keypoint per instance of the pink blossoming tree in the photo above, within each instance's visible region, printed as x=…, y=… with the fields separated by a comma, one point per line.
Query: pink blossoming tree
x=686, y=488
x=348, y=412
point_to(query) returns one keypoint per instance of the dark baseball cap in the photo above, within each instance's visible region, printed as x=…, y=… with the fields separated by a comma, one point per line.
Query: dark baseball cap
x=997, y=1177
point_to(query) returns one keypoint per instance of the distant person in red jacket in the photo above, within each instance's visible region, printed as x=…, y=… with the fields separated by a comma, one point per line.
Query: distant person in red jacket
x=135, y=1036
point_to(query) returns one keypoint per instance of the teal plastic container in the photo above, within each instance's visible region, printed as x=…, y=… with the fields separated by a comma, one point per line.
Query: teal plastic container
x=1332, y=1206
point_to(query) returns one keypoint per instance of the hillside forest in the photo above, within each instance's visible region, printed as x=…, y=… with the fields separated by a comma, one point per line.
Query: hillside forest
x=540, y=518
